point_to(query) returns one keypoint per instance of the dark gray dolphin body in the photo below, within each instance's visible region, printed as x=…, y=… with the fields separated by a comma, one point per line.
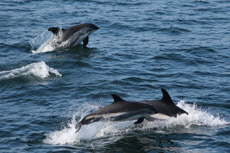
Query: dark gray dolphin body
x=74, y=35
x=165, y=107
x=119, y=110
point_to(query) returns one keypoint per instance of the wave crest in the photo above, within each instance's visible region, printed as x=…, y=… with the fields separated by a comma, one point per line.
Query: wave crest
x=39, y=70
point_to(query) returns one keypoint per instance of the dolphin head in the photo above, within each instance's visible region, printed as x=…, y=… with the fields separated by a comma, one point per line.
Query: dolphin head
x=94, y=26
x=78, y=127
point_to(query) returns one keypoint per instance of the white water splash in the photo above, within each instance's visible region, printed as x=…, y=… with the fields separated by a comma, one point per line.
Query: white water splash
x=49, y=44
x=40, y=70
x=96, y=130
x=43, y=43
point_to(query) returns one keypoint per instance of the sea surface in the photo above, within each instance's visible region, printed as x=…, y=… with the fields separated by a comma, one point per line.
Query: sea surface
x=141, y=47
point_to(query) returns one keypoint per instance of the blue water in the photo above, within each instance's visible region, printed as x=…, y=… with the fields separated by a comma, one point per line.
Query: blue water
x=141, y=46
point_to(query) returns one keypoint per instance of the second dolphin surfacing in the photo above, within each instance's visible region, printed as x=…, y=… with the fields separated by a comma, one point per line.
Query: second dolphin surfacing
x=165, y=107
x=119, y=110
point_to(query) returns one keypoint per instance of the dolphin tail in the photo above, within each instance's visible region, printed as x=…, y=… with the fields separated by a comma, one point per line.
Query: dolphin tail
x=78, y=127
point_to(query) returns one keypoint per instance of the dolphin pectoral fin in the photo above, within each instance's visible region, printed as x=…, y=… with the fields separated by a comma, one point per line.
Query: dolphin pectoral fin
x=85, y=41
x=140, y=120
x=78, y=127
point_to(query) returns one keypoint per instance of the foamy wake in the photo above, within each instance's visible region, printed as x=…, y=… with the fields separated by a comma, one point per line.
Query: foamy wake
x=196, y=117
x=39, y=70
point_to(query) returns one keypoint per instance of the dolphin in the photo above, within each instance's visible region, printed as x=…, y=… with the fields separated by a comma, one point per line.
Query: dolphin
x=72, y=36
x=119, y=110
x=165, y=108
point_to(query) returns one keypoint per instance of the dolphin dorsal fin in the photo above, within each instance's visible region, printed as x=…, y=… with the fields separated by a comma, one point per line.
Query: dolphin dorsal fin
x=166, y=97
x=117, y=98
x=55, y=30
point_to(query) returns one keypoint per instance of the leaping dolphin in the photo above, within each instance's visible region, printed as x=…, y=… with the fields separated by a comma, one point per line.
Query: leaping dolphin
x=165, y=108
x=72, y=36
x=119, y=110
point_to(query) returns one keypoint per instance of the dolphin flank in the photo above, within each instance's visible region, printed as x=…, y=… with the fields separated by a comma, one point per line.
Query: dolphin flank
x=119, y=110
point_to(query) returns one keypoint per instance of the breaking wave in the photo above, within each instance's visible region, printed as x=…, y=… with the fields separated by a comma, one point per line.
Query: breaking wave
x=39, y=70
x=196, y=117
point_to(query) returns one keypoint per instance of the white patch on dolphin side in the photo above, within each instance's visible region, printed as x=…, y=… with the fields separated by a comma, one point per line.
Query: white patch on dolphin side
x=123, y=116
x=160, y=116
x=106, y=116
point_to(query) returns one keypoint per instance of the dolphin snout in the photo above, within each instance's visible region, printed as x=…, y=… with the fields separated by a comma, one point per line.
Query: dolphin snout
x=78, y=127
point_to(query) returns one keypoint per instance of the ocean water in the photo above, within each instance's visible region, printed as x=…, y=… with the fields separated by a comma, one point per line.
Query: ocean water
x=141, y=46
